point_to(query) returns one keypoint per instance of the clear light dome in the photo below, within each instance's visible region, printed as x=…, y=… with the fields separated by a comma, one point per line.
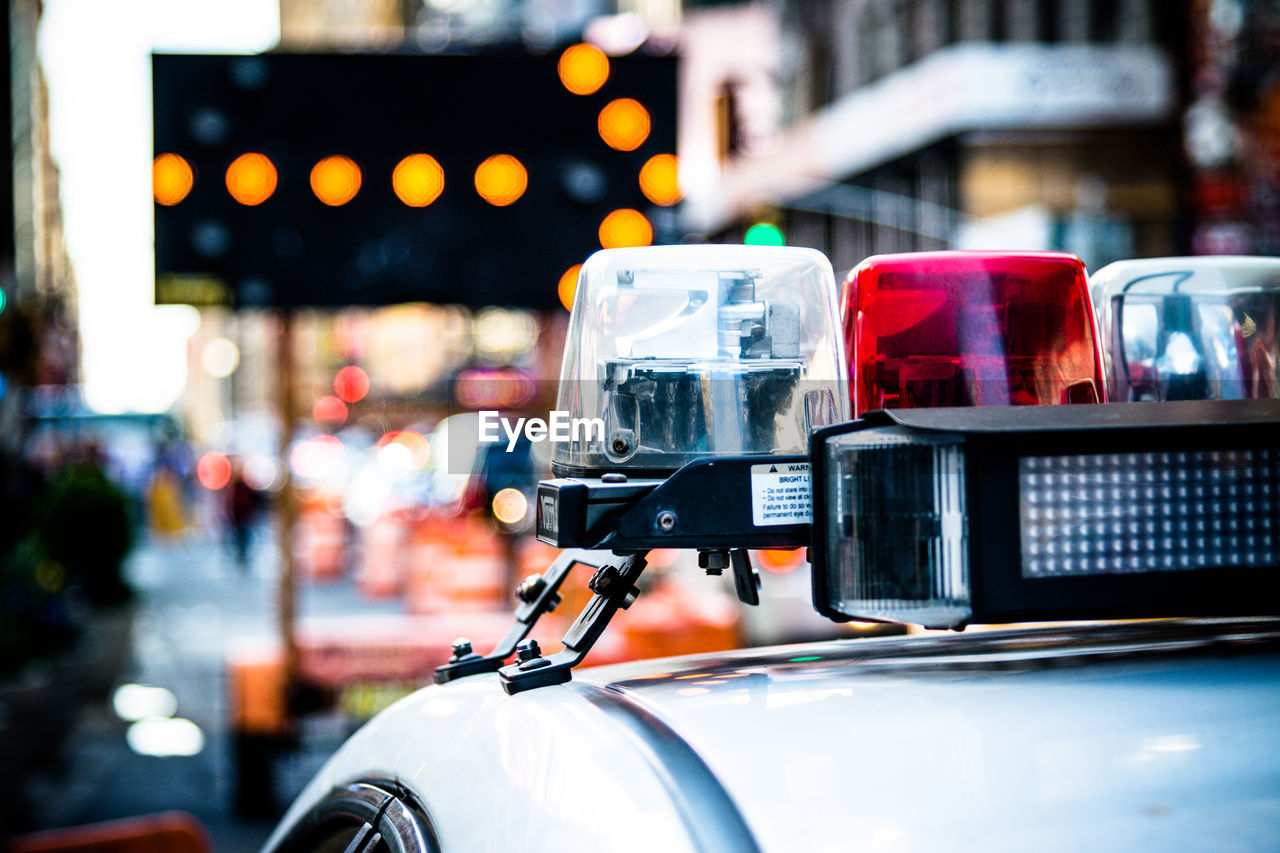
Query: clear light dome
x=1196, y=328
x=689, y=352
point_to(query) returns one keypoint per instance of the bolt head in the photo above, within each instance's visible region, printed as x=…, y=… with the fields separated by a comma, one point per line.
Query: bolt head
x=530, y=588
x=620, y=446
x=602, y=579
x=713, y=560
x=461, y=647
x=528, y=650
x=666, y=521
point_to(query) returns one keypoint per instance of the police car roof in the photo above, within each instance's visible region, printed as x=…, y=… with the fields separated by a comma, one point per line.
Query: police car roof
x=1147, y=734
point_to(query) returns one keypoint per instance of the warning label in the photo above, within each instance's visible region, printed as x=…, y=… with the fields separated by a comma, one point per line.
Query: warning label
x=780, y=494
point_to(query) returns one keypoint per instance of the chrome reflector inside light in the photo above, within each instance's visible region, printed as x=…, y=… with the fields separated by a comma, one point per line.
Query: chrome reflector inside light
x=942, y=517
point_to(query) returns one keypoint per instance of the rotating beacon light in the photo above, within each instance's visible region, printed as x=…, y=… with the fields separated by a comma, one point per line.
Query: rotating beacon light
x=943, y=517
x=960, y=328
x=1201, y=328
x=698, y=371
x=697, y=352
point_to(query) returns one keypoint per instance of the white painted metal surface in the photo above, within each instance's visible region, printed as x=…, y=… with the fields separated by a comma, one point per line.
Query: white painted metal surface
x=1163, y=736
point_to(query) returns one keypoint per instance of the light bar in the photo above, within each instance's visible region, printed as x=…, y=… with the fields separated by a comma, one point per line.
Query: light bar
x=970, y=329
x=1198, y=328
x=949, y=516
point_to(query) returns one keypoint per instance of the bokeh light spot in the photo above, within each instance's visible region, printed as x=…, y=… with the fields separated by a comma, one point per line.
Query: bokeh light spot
x=329, y=410
x=625, y=228
x=624, y=124
x=171, y=179
x=318, y=458
x=568, y=286
x=133, y=702
x=583, y=69
x=164, y=737
x=764, y=234
x=418, y=180
x=251, y=179
x=213, y=470
x=501, y=179
x=400, y=451
x=780, y=561
x=220, y=357
x=261, y=472
x=351, y=384
x=335, y=180
x=659, y=179
x=510, y=506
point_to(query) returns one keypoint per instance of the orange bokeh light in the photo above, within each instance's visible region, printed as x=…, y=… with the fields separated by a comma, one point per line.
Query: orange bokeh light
x=251, y=179
x=213, y=470
x=624, y=124
x=418, y=180
x=335, y=180
x=625, y=228
x=501, y=179
x=583, y=69
x=351, y=384
x=171, y=179
x=568, y=286
x=659, y=179
x=329, y=409
x=779, y=561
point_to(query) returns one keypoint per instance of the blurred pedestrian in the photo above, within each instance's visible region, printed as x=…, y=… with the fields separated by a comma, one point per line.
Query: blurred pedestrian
x=243, y=504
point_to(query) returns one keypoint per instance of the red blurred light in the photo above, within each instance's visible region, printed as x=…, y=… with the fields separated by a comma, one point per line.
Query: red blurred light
x=213, y=470
x=351, y=384
x=329, y=409
x=970, y=329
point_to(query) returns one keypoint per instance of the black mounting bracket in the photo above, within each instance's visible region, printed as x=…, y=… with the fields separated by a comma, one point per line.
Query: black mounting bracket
x=614, y=585
x=746, y=580
x=538, y=594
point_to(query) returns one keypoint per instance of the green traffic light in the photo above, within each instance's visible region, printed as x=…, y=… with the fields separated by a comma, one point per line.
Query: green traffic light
x=764, y=234
x=4, y=301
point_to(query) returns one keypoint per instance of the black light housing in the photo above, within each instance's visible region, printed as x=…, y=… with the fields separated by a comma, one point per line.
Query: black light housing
x=950, y=516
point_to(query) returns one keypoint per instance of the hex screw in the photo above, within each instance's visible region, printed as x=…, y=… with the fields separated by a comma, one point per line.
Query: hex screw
x=461, y=648
x=621, y=446
x=713, y=561
x=528, y=650
x=602, y=579
x=530, y=588
x=666, y=521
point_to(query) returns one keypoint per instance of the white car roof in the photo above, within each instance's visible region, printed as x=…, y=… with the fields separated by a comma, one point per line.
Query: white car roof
x=1153, y=735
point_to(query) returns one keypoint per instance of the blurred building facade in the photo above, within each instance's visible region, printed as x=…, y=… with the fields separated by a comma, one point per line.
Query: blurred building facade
x=1231, y=126
x=39, y=345
x=923, y=124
